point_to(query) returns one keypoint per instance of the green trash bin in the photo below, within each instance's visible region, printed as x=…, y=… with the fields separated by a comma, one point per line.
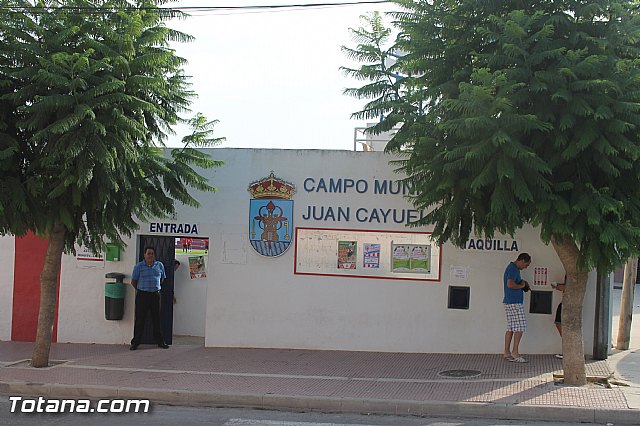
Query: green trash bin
x=114, y=297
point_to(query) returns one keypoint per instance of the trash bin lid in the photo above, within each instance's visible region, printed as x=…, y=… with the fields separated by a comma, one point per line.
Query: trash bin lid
x=117, y=275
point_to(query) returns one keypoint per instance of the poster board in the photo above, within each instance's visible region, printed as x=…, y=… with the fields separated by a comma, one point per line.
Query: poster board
x=367, y=254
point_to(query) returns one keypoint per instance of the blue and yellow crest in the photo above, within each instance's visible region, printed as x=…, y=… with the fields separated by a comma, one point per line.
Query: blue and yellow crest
x=271, y=216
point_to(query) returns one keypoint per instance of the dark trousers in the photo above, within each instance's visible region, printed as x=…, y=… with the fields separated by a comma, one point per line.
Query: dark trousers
x=147, y=302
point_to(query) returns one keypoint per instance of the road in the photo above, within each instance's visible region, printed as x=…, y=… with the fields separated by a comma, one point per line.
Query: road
x=187, y=416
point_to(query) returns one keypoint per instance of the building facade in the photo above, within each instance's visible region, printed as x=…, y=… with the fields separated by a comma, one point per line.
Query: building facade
x=324, y=259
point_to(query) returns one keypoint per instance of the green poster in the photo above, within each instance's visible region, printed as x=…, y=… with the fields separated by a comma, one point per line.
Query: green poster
x=411, y=258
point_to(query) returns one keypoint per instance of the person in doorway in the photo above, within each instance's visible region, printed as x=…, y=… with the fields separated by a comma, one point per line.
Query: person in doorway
x=176, y=265
x=513, y=300
x=185, y=246
x=560, y=287
x=147, y=278
x=189, y=242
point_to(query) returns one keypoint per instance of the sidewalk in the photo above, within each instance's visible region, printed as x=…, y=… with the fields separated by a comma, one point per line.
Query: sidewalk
x=458, y=385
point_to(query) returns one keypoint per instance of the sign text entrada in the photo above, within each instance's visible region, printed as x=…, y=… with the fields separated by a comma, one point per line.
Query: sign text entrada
x=173, y=228
x=361, y=214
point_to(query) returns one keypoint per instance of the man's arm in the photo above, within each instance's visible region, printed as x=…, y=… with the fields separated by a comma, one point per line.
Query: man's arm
x=514, y=285
x=163, y=275
x=134, y=277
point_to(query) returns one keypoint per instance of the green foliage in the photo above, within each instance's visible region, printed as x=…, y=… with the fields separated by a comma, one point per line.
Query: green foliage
x=87, y=100
x=511, y=113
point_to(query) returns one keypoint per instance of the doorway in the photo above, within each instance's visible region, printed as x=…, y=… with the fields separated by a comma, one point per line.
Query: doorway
x=165, y=253
x=190, y=285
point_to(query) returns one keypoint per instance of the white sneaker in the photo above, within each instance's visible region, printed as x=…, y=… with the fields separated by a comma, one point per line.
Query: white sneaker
x=559, y=356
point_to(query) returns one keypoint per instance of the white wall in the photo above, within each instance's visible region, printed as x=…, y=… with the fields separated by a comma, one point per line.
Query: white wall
x=81, y=316
x=253, y=301
x=7, y=260
x=190, y=309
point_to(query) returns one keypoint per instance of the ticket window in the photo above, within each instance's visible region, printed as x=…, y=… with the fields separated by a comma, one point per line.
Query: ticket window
x=458, y=297
x=540, y=302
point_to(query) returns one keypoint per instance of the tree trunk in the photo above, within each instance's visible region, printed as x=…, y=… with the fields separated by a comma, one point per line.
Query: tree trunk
x=626, y=304
x=572, y=342
x=48, y=296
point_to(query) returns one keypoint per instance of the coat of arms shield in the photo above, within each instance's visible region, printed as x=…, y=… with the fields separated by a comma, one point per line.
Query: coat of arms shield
x=271, y=216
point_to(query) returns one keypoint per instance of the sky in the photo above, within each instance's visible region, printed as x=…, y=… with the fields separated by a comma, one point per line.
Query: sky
x=272, y=78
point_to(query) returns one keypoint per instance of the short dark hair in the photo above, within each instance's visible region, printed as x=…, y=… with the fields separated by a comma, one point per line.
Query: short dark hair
x=149, y=247
x=176, y=262
x=524, y=256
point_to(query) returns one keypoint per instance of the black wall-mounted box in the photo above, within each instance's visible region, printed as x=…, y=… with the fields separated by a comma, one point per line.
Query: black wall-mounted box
x=458, y=297
x=540, y=302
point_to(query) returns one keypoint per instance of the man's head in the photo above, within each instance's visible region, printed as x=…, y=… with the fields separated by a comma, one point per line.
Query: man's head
x=523, y=261
x=149, y=254
x=176, y=264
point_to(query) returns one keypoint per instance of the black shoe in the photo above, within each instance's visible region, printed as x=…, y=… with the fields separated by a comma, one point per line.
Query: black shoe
x=163, y=345
x=133, y=346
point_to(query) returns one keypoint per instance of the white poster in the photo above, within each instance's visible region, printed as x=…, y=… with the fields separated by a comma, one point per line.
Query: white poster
x=86, y=259
x=540, y=276
x=459, y=273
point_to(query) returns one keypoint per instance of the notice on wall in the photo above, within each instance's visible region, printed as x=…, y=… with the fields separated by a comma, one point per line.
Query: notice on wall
x=540, y=276
x=371, y=255
x=411, y=258
x=459, y=273
x=87, y=259
x=347, y=254
x=197, y=267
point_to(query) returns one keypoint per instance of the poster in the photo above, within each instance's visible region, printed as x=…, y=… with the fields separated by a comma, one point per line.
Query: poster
x=410, y=258
x=400, y=258
x=87, y=259
x=187, y=245
x=540, y=275
x=419, y=258
x=197, y=267
x=347, y=254
x=371, y=255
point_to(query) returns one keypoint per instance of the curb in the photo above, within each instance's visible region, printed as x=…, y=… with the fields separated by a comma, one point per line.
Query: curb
x=331, y=404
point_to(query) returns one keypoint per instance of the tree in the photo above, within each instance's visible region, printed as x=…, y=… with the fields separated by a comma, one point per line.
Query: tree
x=517, y=112
x=89, y=90
x=626, y=304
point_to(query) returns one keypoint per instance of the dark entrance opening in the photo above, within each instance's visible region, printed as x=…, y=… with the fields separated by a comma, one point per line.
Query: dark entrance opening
x=165, y=253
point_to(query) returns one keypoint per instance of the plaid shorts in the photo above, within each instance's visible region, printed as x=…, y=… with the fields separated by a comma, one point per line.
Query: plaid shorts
x=515, y=317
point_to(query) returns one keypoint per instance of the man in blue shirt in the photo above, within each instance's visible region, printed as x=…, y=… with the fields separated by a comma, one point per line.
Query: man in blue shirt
x=147, y=279
x=514, y=288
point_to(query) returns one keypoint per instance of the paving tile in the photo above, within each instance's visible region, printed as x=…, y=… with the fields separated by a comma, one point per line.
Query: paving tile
x=404, y=382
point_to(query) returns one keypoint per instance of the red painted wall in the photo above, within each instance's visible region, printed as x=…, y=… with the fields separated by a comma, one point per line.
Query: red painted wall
x=29, y=258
